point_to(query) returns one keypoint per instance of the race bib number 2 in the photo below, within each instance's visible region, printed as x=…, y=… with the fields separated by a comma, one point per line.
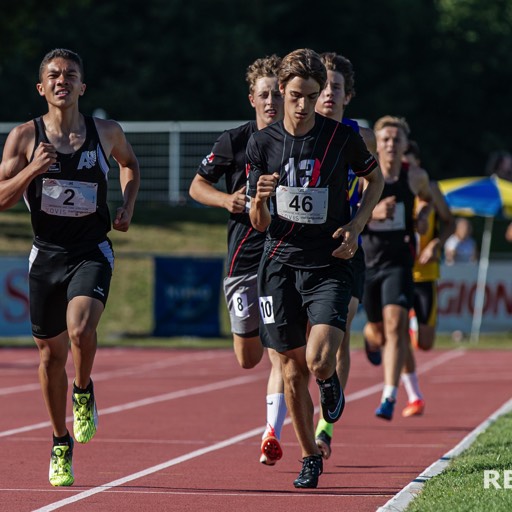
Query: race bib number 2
x=68, y=198
x=302, y=205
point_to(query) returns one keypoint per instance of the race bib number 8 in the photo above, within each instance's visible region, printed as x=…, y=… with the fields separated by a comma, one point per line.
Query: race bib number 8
x=240, y=305
x=68, y=198
x=267, y=310
x=302, y=205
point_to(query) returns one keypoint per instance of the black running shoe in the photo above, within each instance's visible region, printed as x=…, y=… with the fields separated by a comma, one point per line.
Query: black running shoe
x=332, y=398
x=374, y=355
x=312, y=468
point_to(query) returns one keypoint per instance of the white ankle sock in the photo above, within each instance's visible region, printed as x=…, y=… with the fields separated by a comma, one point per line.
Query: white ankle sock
x=276, y=413
x=412, y=387
x=389, y=392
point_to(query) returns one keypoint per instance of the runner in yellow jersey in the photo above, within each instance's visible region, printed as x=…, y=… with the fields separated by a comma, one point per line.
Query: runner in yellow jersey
x=426, y=272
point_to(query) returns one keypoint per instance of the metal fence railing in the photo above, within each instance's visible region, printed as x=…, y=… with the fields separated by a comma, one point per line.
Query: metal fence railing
x=169, y=153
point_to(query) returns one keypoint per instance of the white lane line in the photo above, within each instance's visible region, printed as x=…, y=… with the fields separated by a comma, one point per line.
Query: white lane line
x=425, y=367
x=401, y=500
x=173, y=395
x=217, y=446
x=155, y=365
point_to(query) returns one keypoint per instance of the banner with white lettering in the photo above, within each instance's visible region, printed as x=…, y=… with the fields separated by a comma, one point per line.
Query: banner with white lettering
x=456, y=298
x=187, y=296
x=14, y=302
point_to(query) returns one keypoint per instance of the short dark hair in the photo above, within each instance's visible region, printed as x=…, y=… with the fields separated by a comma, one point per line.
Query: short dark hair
x=336, y=62
x=61, y=53
x=304, y=63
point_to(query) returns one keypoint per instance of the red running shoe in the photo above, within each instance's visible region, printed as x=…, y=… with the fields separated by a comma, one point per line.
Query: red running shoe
x=271, y=450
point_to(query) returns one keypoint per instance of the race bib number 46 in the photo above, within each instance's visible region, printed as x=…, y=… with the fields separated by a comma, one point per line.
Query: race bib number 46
x=68, y=198
x=302, y=205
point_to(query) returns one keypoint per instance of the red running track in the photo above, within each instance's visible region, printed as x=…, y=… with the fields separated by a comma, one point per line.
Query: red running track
x=180, y=431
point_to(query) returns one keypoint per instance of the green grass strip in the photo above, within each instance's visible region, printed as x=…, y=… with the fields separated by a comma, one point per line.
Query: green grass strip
x=461, y=486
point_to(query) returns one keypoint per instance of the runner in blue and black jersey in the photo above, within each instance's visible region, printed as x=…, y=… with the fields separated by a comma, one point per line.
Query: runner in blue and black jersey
x=332, y=102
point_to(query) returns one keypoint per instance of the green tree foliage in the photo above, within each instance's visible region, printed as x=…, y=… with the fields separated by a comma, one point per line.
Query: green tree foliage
x=445, y=65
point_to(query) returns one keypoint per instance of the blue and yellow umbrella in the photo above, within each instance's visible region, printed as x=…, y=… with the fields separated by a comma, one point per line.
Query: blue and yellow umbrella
x=482, y=196
x=487, y=197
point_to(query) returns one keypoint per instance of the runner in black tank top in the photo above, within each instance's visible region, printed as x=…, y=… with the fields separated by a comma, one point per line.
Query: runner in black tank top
x=389, y=246
x=58, y=162
x=81, y=214
x=391, y=242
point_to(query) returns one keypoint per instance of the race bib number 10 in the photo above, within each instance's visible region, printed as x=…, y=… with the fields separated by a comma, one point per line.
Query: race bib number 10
x=302, y=205
x=68, y=198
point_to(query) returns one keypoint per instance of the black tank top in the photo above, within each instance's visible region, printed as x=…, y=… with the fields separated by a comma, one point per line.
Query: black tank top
x=68, y=203
x=391, y=243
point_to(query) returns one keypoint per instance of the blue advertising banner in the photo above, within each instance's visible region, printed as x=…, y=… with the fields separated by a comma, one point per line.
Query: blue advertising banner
x=187, y=296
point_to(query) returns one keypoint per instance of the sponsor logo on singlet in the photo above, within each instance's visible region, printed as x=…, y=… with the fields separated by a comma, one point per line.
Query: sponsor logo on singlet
x=87, y=160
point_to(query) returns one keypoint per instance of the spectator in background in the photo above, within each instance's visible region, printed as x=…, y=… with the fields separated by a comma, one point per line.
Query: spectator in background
x=461, y=247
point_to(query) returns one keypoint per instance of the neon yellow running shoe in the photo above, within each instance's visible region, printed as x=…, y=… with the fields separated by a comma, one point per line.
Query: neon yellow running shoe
x=61, y=465
x=85, y=416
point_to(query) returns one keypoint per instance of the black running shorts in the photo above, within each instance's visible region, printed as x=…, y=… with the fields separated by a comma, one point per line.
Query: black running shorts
x=290, y=297
x=383, y=287
x=425, y=302
x=359, y=270
x=57, y=275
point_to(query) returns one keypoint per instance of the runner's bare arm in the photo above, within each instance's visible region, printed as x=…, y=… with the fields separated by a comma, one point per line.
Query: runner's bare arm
x=16, y=172
x=351, y=231
x=259, y=212
x=205, y=193
x=115, y=144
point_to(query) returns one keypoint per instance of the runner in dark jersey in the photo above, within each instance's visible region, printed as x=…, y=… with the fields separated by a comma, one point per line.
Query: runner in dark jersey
x=333, y=100
x=245, y=244
x=304, y=276
x=62, y=158
x=389, y=247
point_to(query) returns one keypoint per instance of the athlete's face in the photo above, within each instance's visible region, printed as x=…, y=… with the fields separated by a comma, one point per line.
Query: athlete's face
x=300, y=97
x=61, y=82
x=391, y=143
x=267, y=101
x=333, y=99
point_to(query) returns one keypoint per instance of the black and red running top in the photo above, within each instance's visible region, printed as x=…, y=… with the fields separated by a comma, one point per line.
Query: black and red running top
x=303, y=221
x=227, y=158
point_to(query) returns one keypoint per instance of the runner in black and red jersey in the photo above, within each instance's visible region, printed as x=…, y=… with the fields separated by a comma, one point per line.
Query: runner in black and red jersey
x=245, y=244
x=298, y=179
